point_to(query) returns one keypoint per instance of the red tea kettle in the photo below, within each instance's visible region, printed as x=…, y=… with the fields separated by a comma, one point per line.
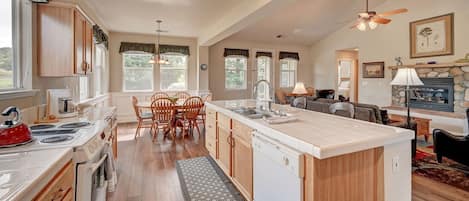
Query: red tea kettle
x=13, y=131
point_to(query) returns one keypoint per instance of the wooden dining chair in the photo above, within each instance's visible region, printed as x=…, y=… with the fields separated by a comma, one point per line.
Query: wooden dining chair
x=159, y=94
x=190, y=112
x=163, y=115
x=202, y=114
x=182, y=95
x=144, y=119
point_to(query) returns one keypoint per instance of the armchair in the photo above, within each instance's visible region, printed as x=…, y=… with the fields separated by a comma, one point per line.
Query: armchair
x=451, y=146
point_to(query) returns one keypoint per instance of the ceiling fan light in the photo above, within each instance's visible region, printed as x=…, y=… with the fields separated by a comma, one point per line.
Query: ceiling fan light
x=361, y=26
x=372, y=24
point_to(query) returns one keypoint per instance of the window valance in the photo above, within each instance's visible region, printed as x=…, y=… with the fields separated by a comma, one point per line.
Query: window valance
x=137, y=47
x=236, y=52
x=174, y=49
x=289, y=55
x=100, y=37
x=264, y=54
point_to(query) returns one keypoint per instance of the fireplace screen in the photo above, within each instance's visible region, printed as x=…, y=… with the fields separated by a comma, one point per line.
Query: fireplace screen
x=435, y=94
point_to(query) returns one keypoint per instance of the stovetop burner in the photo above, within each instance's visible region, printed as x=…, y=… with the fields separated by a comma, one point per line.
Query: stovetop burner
x=41, y=126
x=75, y=125
x=54, y=132
x=55, y=139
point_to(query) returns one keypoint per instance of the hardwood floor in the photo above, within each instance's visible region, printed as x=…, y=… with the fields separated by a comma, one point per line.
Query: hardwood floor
x=147, y=170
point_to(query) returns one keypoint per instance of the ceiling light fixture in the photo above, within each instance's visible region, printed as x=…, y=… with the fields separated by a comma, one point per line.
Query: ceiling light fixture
x=370, y=20
x=157, y=57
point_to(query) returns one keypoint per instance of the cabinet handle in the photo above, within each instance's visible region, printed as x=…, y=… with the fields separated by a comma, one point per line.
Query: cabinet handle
x=228, y=140
x=232, y=141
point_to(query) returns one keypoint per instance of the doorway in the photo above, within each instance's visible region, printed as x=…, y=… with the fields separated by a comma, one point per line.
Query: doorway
x=347, y=74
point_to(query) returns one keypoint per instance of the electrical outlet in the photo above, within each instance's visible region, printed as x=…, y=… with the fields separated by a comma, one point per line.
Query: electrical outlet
x=395, y=164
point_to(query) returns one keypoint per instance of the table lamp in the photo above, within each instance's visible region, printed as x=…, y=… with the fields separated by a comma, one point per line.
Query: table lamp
x=407, y=77
x=299, y=89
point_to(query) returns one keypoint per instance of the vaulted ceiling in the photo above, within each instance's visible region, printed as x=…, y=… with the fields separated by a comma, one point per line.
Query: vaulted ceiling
x=298, y=21
x=304, y=21
x=180, y=17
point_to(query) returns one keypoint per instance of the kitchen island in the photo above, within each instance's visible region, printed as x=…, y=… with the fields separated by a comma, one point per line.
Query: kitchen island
x=344, y=159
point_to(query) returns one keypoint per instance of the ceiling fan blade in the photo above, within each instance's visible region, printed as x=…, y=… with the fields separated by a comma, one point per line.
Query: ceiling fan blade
x=381, y=20
x=393, y=12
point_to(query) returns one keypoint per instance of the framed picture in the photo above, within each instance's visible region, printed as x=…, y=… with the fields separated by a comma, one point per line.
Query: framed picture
x=432, y=36
x=373, y=70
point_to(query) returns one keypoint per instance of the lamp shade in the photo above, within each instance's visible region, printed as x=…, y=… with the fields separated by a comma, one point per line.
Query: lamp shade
x=299, y=88
x=406, y=77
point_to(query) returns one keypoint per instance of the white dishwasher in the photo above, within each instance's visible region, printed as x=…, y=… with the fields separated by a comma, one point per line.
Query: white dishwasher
x=277, y=170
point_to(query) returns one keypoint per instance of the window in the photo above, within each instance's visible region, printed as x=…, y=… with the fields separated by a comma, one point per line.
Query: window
x=263, y=73
x=138, y=72
x=84, y=88
x=173, y=76
x=99, y=70
x=8, y=50
x=235, y=72
x=288, y=72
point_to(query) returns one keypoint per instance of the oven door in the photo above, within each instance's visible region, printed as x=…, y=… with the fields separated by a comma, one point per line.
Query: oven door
x=91, y=184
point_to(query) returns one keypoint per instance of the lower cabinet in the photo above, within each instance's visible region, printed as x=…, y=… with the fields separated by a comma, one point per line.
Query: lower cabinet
x=224, y=149
x=60, y=187
x=229, y=143
x=242, y=166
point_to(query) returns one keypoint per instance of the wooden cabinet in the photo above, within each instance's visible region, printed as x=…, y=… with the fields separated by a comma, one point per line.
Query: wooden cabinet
x=229, y=143
x=65, y=41
x=242, y=161
x=224, y=149
x=60, y=187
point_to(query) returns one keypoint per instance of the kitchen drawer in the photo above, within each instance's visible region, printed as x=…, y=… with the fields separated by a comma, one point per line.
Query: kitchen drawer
x=211, y=145
x=224, y=121
x=60, y=186
x=242, y=131
x=211, y=129
x=211, y=114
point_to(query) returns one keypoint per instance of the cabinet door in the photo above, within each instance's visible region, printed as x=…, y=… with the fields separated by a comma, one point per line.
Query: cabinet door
x=88, y=46
x=224, y=149
x=60, y=186
x=79, y=43
x=242, y=166
x=55, y=45
x=211, y=137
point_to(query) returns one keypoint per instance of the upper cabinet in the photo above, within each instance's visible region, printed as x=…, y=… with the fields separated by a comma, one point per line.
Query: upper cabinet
x=65, y=41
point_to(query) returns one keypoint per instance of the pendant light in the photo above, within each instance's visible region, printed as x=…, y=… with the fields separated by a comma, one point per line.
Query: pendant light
x=157, y=57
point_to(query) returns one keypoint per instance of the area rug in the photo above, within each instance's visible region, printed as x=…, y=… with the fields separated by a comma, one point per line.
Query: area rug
x=448, y=172
x=201, y=179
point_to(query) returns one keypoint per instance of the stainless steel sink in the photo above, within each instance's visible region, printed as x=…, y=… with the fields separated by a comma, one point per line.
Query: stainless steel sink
x=251, y=113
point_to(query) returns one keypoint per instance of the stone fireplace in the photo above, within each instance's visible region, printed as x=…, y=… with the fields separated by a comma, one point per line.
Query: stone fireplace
x=436, y=94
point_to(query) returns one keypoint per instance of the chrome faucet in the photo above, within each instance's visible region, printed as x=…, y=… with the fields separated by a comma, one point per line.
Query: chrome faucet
x=271, y=92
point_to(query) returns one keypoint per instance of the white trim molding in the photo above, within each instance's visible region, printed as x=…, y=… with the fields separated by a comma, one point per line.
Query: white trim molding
x=6, y=95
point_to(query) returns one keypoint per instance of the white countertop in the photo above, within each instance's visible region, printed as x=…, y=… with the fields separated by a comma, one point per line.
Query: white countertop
x=318, y=134
x=24, y=174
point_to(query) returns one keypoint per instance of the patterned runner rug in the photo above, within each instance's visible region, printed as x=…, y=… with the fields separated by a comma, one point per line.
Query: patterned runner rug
x=448, y=171
x=202, y=180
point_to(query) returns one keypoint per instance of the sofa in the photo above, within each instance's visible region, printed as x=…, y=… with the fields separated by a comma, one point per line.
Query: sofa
x=451, y=146
x=364, y=112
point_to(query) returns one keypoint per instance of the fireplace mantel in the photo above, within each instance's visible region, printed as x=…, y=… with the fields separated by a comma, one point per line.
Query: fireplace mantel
x=440, y=65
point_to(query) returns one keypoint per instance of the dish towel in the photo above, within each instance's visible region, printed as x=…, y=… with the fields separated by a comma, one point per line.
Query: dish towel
x=110, y=168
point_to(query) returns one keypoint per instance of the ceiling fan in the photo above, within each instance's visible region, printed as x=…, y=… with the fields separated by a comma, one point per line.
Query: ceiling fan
x=371, y=19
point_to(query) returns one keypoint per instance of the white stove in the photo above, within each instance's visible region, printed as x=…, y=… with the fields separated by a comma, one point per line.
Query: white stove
x=64, y=135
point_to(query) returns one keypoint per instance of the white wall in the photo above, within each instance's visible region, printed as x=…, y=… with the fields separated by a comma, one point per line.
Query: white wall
x=385, y=43
x=217, y=66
